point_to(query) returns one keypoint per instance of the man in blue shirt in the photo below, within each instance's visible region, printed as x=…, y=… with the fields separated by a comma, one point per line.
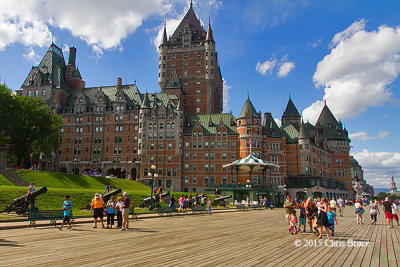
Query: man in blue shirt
x=67, y=208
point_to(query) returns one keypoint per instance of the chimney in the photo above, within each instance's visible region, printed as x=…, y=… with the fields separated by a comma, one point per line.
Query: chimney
x=119, y=83
x=72, y=56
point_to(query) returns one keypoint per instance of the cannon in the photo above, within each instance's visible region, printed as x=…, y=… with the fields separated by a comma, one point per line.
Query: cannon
x=106, y=197
x=20, y=204
x=220, y=201
x=156, y=198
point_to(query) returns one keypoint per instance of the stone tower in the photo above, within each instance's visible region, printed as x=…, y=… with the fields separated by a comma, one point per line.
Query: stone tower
x=188, y=66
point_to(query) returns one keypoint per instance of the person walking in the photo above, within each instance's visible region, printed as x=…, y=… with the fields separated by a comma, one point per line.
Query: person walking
x=172, y=202
x=209, y=206
x=331, y=220
x=387, y=209
x=333, y=204
x=119, y=208
x=340, y=204
x=110, y=212
x=125, y=212
x=373, y=211
x=67, y=208
x=289, y=206
x=302, y=217
x=359, y=211
x=312, y=213
x=395, y=212
x=322, y=221
x=97, y=208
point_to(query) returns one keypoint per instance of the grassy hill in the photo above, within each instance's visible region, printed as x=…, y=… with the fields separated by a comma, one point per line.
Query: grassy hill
x=81, y=189
x=62, y=180
x=4, y=181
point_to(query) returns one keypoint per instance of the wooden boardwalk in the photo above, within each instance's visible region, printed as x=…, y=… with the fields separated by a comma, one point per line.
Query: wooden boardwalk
x=255, y=238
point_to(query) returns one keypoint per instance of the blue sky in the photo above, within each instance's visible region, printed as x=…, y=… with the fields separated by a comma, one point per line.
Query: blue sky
x=345, y=52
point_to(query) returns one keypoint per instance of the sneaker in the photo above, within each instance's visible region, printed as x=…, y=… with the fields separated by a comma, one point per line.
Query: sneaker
x=122, y=229
x=126, y=229
x=304, y=230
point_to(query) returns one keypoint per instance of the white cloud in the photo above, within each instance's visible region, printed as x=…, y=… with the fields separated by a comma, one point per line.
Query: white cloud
x=278, y=121
x=314, y=44
x=358, y=71
x=364, y=136
x=226, y=88
x=285, y=68
x=379, y=166
x=31, y=56
x=266, y=67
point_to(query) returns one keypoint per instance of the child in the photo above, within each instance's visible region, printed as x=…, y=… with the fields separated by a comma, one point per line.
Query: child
x=67, y=206
x=302, y=217
x=331, y=220
x=209, y=206
x=118, y=206
x=293, y=224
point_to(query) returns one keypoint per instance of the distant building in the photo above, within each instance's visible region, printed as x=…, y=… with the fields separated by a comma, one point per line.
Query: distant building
x=357, y=173
x=119, y=131
x=393, y=188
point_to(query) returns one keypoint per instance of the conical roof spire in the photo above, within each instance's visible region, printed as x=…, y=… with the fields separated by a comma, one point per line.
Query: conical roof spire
x=326, y=118
x=291, y=110
x=303, y=131
x=179, y=106
x=164, y=40
x=209, y=32
x=146, y=102
x=248, y=108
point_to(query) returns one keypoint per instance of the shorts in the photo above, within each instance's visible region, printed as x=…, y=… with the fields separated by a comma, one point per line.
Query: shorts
x=98, y=213
x=395, y=217
x=388, y=215
x=302, y=221
x=340, y=208
x=287, y=216
x=66, y=218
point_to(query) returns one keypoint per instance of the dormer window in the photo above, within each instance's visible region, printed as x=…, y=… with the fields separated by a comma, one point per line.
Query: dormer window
x=329, y=125
x=210, y=124
x=99, y=99
x=120, y=98
x=80, y=100
x=248, y=121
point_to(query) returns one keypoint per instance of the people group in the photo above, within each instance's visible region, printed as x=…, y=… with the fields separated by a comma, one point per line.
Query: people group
x=320, y=214
x=188, y=201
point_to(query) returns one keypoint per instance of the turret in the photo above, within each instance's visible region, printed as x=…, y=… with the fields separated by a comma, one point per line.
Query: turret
x=72, y=56
x=162, y=71
x=209, y=46
x=291, y=114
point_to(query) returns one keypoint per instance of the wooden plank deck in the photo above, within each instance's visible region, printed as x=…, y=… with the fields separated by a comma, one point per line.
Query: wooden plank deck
x=256, y=238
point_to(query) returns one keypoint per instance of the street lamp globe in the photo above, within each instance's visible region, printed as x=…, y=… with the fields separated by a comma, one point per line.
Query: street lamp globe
x=156, y=175
x=153, y=167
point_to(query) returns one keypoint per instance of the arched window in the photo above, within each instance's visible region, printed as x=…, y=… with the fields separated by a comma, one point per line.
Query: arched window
x=36, y=92
x=161, y=125
x=168, y=125
x=29, y=93
x=43, y=92
x=173, y=125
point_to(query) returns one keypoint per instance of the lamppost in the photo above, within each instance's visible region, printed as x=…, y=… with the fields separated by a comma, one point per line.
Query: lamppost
x=153, y=174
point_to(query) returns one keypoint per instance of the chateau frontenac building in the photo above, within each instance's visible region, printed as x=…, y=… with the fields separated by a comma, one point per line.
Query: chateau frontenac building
x=119, y=131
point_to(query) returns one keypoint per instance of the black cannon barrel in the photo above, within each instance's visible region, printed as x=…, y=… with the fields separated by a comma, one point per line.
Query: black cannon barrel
x=155, y=196
x=222, y=198
x=107, y=196
x=19, y=202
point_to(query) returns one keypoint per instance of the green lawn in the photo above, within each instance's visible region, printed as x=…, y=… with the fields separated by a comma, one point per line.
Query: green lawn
x=62, y=180
x=4, y=181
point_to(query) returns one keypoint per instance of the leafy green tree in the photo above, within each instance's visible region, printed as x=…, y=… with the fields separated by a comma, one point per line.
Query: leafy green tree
x=28, y=127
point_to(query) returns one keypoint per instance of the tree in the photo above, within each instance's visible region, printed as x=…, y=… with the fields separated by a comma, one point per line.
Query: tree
x=28, y=127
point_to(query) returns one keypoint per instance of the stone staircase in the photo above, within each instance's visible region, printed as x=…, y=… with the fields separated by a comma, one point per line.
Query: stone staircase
x=13, y=177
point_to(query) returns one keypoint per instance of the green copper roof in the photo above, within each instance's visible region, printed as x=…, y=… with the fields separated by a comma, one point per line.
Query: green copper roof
x=248, y=108
x=291, y=132
x=209, y=123
x=291, y=110
x=76, y=73
x=303, y=132
x=50, y=70
x=132, y=96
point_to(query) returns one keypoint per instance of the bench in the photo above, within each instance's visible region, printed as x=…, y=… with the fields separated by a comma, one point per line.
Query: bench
x=44, y=215
x=132, y=213
x=241, y=207
x=199, y=210
x=166, y=211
